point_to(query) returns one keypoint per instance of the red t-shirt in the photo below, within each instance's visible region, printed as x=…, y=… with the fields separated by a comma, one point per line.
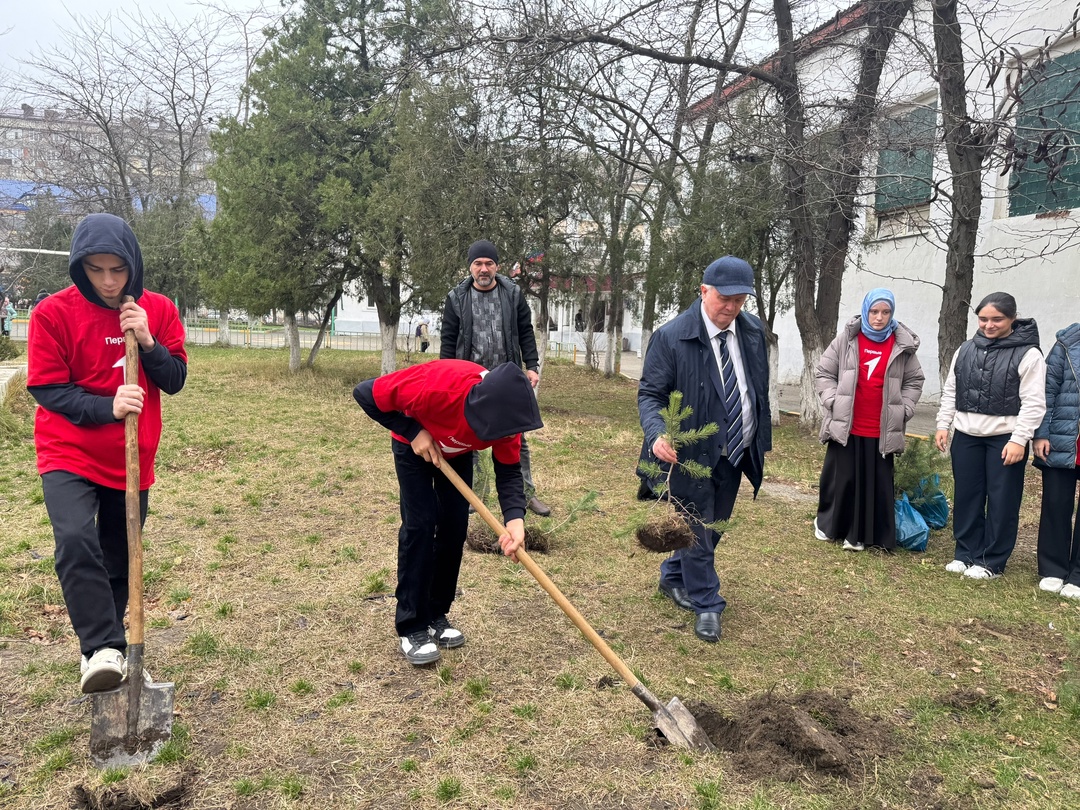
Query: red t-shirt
x=434, y=395
x=870, y=385
x=73, y=341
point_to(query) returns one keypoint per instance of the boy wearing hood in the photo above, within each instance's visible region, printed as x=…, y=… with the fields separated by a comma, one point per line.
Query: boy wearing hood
x=75, y=371
x=439, y=413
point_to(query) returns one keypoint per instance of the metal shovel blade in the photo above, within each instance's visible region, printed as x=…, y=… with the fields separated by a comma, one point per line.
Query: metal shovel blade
x=674, y=721
x=681, y=728
x=130, y=724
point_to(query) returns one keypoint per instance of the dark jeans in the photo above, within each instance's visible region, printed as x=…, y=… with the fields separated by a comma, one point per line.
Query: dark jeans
x=90, y=527
x=986, y=506
x=694, y=568
x=434, y=522
x=1059, y=536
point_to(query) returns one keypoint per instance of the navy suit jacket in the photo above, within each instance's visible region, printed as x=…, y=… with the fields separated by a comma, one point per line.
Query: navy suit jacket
x=679, y=357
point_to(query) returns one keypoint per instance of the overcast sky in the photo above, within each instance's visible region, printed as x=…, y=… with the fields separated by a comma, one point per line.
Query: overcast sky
x=28, y=25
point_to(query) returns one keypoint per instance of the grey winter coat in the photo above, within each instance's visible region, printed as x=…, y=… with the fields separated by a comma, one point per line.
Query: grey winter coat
x=1062, y=421
x=835, y=384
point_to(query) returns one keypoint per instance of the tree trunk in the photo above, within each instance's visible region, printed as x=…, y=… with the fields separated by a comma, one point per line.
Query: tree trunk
x=809, y=412
x=772, y=344
x=223, y=328
x=389, y=346
x=292, y=338
x=821, y=247
x=328, y=313
x=966, y=153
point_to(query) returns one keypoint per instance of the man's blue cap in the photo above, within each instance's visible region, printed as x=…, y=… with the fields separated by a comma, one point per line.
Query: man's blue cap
x=730, y=275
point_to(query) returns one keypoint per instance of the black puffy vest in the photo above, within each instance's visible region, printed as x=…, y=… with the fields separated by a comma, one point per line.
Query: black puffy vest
x=988, y=371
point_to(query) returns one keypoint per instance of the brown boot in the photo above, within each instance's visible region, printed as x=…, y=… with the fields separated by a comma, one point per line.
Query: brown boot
x=538, y=507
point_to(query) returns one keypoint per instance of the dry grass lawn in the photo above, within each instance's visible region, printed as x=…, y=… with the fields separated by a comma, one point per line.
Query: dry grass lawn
x=271, y=559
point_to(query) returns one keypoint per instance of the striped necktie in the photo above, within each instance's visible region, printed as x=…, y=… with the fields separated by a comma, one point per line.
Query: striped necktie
x=733, y=436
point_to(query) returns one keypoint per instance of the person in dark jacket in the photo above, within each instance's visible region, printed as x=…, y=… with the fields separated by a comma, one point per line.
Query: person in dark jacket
x=439, y=413
x=869, y=381
x=995, y=399
x=75, y=371
x=487, y=320
x=714, y=353
x=1057, y=454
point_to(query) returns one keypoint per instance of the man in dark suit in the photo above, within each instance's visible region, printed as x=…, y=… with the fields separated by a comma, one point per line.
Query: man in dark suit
x=714, y=353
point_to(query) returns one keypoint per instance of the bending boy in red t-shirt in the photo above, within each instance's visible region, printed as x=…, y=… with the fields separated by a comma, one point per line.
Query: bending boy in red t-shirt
x=438, y=413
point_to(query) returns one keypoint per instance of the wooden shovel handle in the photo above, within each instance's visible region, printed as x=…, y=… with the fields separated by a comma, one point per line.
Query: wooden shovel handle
x=131, y=500
x=552, y=589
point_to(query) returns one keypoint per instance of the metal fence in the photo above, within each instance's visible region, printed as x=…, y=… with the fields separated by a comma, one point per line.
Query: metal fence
x=204, y=332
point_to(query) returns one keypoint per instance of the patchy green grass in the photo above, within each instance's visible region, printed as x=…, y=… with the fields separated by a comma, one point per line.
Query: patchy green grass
x=271, y=554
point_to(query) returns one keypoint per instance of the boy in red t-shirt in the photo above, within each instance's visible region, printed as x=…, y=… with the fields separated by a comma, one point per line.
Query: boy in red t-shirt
x=75, y=350
x=438, y=413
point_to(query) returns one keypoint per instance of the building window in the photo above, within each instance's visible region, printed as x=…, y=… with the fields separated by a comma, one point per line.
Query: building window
x=1046, y=168
x=905, y=170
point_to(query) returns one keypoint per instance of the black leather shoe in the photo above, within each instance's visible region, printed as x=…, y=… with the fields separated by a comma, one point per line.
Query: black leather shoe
x=707, y=627
x=677, y=595
x=538, y=507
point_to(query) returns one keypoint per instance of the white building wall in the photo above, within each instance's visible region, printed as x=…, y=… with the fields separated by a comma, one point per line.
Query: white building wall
x=1036, y=260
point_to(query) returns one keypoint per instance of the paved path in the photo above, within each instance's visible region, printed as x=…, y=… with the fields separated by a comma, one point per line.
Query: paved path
x=922, y=424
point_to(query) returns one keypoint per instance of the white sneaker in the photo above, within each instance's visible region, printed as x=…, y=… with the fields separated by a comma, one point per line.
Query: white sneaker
x=419, y=648
x=956, y=567
x=105, y=670
x=819, y=534
x=1051, y=584
x=1070, y=591
x=853, y=546
x=979, y=572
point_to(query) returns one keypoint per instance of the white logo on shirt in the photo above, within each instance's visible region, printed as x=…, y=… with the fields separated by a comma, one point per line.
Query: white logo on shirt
x=119, y=363
x=114, y=341
x=871, y=365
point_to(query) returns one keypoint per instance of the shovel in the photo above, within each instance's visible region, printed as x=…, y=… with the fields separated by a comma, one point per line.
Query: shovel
x=674, y=720
x=131, y=723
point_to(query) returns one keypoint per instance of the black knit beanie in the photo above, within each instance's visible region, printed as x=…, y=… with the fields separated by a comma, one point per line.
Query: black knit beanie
x=483, y=249
x=502, y=404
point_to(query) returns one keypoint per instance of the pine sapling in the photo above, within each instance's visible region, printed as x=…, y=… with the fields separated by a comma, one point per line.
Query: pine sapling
x=667, y=527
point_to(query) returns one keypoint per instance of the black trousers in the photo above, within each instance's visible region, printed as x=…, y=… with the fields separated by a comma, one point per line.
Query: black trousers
x=986, y=503
x=434, y=522
x=1059, y=535
x=90, y=528
x=855, y=496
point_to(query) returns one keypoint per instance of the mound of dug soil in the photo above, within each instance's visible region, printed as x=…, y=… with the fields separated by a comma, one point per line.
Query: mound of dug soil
x=177, y=797
x=482, y=540
x=665, y=532
x=788, y=736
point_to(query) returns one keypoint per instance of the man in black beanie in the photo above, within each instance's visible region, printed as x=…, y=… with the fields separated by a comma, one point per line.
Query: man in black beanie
x=439, y=413
x=487, y=320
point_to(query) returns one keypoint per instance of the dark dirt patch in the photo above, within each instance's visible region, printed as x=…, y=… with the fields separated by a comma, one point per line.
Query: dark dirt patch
x=665, y=532
x=925, y=786
x=177, y=797
x=787, y=737
x=964, y=700
x=480, y=539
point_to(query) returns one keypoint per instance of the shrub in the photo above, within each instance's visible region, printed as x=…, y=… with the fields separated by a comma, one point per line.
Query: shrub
x=919, y=460
x=9, y=349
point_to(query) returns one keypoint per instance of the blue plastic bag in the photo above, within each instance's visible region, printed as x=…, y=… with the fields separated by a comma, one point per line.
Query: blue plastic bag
x=912, y=532
x=930, y=502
